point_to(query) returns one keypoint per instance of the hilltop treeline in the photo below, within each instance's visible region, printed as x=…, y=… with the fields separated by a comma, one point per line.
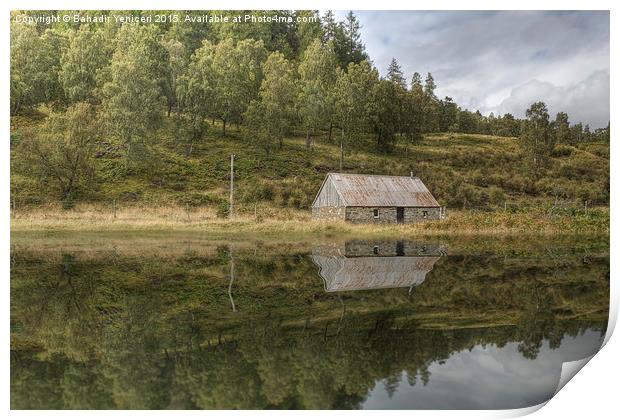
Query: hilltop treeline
x=112, y=87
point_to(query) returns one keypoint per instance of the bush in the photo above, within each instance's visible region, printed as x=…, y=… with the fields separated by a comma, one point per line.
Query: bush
x=479, y=178
x=223, y=209
x=515, y=184
x=281, y=198
x=68, y=203
x=197, y=199
x=15, y=139
x=580, y=170
x=256, y=190
x=496, y=195
x=264, y=191
x=561, y=151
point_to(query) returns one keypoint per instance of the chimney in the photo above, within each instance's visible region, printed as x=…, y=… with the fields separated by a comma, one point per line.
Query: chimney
x=411, y=174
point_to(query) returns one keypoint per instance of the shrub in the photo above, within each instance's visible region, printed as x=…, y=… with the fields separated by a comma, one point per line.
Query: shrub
x=479, y=178
x=223, y=209
x=561, y=151
x=197, y=199
x=281, y=197
x=264, y=191
x=496, y=195
x=581, y=170
x=68, y=203
x=298, y=199
x=15, y=139
x=256, y=190
x=515, y=183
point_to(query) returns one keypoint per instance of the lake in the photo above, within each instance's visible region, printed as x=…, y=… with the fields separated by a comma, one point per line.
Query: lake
x=173, y=322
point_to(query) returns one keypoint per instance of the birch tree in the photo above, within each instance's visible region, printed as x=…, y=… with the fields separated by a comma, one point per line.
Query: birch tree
x=237, y=77
x=537, y=138
x=195, y=92
x=353, y=100
x=84, y=57
x=177, y=56
x=35, y=63
x=273, y=113
x=62, y=150
x=317, y=78
x=132, y=98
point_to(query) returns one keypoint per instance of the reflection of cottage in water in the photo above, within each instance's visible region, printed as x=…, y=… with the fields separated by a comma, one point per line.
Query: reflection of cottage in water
x=363, y=265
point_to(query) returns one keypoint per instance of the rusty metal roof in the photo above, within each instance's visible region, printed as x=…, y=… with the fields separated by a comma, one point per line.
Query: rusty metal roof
x=364, y=273
x=382, y=190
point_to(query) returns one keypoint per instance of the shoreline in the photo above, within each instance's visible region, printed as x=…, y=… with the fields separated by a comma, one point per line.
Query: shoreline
x=294, y=224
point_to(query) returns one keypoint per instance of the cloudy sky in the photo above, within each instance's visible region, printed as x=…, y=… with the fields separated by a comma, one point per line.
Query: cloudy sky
x=501, y=61
x=488, y=377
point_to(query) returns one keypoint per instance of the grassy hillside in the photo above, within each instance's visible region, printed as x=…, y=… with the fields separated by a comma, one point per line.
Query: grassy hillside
x=462, y=171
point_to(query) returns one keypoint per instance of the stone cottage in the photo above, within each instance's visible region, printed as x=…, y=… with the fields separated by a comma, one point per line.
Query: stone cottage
x=375, y=199
x=362, y=265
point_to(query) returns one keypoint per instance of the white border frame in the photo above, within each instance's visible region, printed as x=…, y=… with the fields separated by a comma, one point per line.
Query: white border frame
x=591, y=394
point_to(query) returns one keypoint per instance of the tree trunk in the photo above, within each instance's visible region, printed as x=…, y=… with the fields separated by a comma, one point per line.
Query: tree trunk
x=280, y=138
x=188, y=148
x=16, y=108
x=128, y=154
x=224, y=127
x=329, y=138
x=65, y=193
x=308, y=138
x=342, y=151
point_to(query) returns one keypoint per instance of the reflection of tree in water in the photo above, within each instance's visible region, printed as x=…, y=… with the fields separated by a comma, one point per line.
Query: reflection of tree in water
x=149, y=334
x=264, y=366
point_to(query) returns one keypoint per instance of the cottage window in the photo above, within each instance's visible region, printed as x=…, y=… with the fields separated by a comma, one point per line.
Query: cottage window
x=375, y=213
x=424, y=214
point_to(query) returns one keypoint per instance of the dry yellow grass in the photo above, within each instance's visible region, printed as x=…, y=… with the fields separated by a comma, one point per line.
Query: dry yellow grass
x=290, y=224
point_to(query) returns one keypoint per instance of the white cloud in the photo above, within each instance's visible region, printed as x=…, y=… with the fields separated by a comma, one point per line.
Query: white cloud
x=586, y=101
x=492, y=60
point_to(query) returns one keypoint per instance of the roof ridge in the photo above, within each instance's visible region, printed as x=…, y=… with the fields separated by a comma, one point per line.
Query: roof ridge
x=385, y=176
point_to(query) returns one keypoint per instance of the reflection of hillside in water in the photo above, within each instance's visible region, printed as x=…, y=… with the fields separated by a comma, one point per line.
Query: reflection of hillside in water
x=364, y=265
x=158, y=328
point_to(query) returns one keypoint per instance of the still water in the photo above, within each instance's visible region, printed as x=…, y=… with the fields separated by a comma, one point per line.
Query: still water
x=184, y=323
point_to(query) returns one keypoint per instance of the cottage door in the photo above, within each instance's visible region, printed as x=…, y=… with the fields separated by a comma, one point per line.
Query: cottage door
x=400, y=214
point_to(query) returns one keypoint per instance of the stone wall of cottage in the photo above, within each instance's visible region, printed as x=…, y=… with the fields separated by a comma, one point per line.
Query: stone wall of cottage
x=366, y=215
x=387, y=248
x=416, y=214
x=388, y=214
x=328, y=213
